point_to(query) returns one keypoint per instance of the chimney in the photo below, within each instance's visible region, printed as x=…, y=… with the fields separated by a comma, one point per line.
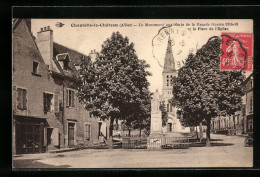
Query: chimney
x=45, y=44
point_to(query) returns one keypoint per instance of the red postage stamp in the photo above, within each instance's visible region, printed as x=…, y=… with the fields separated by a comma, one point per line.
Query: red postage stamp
x=236, y=51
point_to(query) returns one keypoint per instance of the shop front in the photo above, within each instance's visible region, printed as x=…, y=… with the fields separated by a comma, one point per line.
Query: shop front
x=29, y=135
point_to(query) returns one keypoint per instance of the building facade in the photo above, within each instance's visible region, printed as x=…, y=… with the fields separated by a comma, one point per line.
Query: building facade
x=249, y=107
x=46, y=111
x=31, y=80
x=242, y=121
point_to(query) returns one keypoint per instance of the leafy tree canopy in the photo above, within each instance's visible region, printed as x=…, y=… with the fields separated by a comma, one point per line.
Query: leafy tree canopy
x=202, y=91
x=115, y=86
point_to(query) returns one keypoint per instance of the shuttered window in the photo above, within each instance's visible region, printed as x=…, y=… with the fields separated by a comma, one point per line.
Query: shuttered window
x=87, y=131
x=50, y=103
x=70, y=102
x=21, y=99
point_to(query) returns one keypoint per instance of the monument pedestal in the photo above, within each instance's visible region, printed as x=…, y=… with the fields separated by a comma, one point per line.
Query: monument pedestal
x=154, y=141
x=156, y=137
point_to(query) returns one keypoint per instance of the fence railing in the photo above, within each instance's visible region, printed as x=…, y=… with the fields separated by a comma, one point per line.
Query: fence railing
x=168, y=143
x=155, y=142
x=134, y=142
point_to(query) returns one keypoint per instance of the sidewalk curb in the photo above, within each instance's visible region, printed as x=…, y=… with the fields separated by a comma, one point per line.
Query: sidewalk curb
x=68, y=150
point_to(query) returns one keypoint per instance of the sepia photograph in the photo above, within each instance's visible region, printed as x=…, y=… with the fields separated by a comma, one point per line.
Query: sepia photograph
x=132, y=93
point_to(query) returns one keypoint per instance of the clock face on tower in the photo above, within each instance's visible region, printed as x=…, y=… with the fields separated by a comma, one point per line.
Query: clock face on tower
x=182, y=43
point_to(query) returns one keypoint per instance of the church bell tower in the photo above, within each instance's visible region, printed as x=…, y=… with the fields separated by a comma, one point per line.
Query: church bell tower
x=169, y=71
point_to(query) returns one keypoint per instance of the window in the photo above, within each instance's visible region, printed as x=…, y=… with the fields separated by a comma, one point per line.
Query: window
x=70, y=98
x=87, y=131
x=50, y=103
x=21, y=99
x=35, y=67
x=167, y=107
x=251, y=105
x=167, y=82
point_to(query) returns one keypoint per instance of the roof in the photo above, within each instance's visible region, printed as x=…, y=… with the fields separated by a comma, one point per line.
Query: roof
x=60, y=53
x=247, y=79
x=169, y=64
x=74, y=55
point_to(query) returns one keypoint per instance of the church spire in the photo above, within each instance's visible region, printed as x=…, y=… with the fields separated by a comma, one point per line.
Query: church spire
x=169, y=64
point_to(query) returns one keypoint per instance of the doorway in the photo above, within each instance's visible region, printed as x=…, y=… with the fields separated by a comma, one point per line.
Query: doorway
x=71, y=134
x=169, y=127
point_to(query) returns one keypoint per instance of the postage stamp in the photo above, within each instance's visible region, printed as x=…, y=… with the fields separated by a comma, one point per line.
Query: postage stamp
x=236, y=51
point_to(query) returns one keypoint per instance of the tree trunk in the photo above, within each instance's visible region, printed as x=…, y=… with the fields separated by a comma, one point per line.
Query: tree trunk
x=140, y=132
x=208, y=134
x=197, y=132
x=110, y=140
x=129, y=132
x=201, y=133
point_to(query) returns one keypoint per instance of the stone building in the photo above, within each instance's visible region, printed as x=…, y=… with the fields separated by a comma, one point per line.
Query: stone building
x=249, y=107
x=63, y=63
x=31, y=81
x=46, y=111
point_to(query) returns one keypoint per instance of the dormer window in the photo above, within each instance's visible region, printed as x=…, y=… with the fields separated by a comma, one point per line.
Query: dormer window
x=64, y=60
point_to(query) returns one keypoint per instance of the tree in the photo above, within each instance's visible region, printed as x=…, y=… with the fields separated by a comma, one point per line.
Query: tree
x=203, y=91
x=115, y=86
x=143, y=118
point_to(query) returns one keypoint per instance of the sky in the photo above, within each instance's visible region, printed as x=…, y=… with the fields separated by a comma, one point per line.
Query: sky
x=150, y=37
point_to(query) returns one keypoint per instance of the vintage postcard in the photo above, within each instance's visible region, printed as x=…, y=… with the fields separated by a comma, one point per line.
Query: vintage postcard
x=132, y=93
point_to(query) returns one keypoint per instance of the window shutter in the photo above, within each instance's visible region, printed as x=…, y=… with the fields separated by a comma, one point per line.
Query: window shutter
x=19, y=98
x=67, y=96
x=72, y=99
x=45, y=136
x=87, y=131
x=55, y=136
x=45, y=102
x=56, y=103
x=24, y=99
x=14, y=98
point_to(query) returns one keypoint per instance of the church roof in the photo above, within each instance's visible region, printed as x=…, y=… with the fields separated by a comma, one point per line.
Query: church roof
x=169, y=64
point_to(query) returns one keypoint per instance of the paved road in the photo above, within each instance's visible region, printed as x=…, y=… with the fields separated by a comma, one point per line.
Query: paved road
x=228, y=151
